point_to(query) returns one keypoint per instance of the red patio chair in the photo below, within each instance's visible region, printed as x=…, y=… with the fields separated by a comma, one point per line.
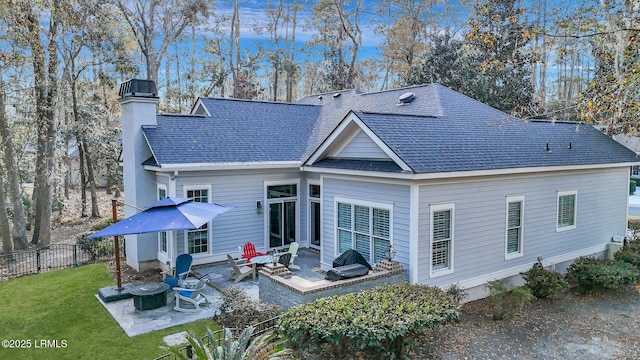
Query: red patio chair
x=250, y=252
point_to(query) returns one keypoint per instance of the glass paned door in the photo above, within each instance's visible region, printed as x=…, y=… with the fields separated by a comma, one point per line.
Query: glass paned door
x=315, y=224
x=282, y=223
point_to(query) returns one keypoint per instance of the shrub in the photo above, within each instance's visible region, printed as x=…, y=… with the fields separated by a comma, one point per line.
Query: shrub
x=238, y=310
x=380, y=320
x=457, y=292
x=102, y=223
x=96, y=247
x=634, y=225
x=505, y=303
x=629, y=254
x=543, y=283
x=264, y=347
x=590, y=275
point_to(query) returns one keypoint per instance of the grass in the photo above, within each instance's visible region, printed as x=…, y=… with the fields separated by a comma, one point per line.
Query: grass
x=61, y=306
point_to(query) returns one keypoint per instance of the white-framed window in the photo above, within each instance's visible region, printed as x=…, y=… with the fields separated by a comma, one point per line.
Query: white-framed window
x=197, y=241
x=567, y=210
x=442, y=235
x=162, y=236
x=363, y=226
x=514, y=226
x=635, y=170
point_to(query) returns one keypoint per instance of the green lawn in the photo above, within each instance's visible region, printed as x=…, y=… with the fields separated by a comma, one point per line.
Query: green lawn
x=61, y=306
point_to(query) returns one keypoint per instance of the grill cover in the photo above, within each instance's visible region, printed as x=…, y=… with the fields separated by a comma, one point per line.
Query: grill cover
x=346, y=272
x=350, y=257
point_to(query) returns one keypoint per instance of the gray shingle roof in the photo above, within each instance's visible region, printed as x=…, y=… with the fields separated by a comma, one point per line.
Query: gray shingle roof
x=457, y=143
x=237, y=131
x=440, y=130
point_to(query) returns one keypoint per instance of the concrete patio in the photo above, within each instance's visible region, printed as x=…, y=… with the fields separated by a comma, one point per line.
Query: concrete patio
x=135, y=322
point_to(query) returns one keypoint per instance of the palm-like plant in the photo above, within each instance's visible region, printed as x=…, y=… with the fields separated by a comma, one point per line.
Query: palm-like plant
x=261, y=348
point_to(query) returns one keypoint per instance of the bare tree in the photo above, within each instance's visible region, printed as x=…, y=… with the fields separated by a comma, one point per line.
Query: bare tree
x=338, y=34
x=157, y=24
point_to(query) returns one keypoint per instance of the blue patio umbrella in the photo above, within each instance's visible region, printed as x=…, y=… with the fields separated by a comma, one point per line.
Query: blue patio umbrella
x=167, y=214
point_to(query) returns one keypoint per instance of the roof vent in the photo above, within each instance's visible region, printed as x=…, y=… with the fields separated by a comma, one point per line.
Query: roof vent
x=336, y=95
x=406, y=98
x=137, y=87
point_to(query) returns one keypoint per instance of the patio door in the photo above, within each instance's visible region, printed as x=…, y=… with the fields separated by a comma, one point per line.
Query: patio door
x=314, y=216
x=282, y=201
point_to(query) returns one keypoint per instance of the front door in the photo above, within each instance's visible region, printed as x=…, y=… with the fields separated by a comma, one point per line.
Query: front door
x=282, y=214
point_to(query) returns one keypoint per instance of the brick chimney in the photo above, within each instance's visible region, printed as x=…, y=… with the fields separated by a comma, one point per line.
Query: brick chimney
x=139, y=102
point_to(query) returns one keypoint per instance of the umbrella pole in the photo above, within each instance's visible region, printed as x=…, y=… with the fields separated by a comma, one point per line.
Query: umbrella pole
x=116, y=245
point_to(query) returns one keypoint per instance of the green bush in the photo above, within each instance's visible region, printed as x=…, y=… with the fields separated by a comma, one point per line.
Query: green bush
x=590, y=275
x=632, y=186
x=264, y=347
x=380, y=320
x=238, y=310
x=102, y=223
x=96, y=247
x=457, y=292
x=544, y=283
x=504, y=302
x=629, y=254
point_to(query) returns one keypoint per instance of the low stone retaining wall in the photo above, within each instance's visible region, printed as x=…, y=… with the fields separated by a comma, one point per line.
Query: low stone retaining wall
x=295, y=290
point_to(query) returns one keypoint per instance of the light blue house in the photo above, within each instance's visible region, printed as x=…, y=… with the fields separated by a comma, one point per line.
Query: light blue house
x=463, y=192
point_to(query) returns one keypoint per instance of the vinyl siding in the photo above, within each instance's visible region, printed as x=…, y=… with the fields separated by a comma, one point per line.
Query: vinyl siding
x=479, y=239
x=362, y=147
x=242, y=224
x=396, y=195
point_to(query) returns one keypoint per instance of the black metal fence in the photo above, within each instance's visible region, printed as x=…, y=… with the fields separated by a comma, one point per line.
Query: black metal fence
x=218, y=338
x=55, y=257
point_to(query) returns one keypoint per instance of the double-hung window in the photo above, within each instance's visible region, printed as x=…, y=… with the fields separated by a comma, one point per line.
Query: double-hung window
x=198, y=239
x=162, y=236
x=514, y=226
x=567, y=210
x=442, y=217
x=364, y=227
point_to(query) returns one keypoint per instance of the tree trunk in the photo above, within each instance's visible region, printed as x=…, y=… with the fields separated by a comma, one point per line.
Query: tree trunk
x=46, y=88
x=5, y=230
x=83, y=180
x=95, y=213
x=19, y=219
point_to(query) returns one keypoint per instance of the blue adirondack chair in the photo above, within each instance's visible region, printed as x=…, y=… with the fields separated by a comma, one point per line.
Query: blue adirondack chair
x=180, y=272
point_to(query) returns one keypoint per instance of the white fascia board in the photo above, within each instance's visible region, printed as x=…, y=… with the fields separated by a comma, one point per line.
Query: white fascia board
x=343, y=129
x=459, y=174
x=225, y=166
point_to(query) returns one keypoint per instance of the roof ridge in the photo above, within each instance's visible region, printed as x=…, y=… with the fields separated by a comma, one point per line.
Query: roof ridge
x=182, y=115
x=394, y=114
x=255, y=101
x=403, y=88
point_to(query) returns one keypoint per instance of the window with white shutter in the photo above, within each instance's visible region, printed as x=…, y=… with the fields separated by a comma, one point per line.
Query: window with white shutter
x=514, y=226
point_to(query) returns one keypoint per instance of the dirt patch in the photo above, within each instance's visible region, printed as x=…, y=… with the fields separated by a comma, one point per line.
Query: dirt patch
x=604, y=326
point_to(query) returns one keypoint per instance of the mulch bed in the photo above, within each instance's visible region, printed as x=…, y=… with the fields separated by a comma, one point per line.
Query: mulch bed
x=572, y=326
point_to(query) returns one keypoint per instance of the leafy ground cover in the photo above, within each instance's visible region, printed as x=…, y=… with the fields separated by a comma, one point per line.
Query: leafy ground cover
x=571, y=326
x=56, y=316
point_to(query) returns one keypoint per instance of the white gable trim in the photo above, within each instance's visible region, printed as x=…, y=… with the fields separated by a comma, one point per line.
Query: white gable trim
x=149, y=146
x=345, y=132
x=198, y=105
